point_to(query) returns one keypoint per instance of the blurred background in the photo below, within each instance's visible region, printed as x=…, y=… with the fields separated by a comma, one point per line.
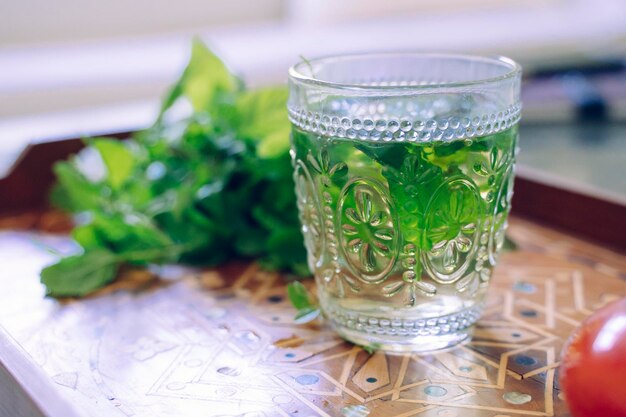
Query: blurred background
x=75, y=67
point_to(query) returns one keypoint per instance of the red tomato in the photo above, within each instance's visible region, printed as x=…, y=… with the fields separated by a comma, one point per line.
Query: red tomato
x=593, y=372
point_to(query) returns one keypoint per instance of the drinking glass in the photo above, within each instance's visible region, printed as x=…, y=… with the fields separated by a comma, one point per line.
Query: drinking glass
x=404, y=165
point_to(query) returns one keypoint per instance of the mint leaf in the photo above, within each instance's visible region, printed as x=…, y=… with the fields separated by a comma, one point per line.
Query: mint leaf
x=123, y=234
x=301, y=300
x=262, y=116
x=87, y=236
x=118, y=160
x=79, y=275
x=274, y=144
x=306, y=315
x=74, y=192
x=298, y=295
x=204, y=79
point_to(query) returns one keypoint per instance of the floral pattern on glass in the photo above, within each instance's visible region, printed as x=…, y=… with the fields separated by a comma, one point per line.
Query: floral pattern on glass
x=501, y=210
x=368, y=230
x=492, y=168
x=411, y=175
x=411, y=283
x=309, y=210
x=451, y=229
x=329, y=175
x=322, y=166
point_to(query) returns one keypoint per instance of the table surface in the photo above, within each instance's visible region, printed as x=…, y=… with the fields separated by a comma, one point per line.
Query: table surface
x=223, y=343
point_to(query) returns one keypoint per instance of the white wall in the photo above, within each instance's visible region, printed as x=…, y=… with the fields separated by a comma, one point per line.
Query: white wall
x=50, y=21
x=312, y=12
x=122, y=67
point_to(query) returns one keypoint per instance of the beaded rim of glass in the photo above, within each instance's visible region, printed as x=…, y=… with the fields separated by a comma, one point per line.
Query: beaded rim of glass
x=403, y=130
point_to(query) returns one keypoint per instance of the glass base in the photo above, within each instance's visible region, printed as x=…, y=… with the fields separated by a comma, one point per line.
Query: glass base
x=404, y=344
x=403, y=334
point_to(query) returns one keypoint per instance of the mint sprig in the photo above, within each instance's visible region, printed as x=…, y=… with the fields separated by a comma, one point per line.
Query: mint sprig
x=211, y=180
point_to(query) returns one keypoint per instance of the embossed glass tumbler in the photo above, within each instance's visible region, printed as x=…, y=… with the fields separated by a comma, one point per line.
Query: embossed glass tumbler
x=403, y=165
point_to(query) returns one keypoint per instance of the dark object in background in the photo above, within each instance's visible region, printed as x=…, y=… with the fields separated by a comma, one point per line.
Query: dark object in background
x=590, y=105
x=593, y=92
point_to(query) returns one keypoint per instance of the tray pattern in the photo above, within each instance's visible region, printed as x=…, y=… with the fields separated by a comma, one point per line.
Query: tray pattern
x=223, y=343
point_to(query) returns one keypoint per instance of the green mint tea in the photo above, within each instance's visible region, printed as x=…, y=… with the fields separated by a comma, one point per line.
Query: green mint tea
x=402, y=236
x=403, y=164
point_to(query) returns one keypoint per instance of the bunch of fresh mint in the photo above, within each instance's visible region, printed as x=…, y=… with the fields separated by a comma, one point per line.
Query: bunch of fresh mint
x=209, y=181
